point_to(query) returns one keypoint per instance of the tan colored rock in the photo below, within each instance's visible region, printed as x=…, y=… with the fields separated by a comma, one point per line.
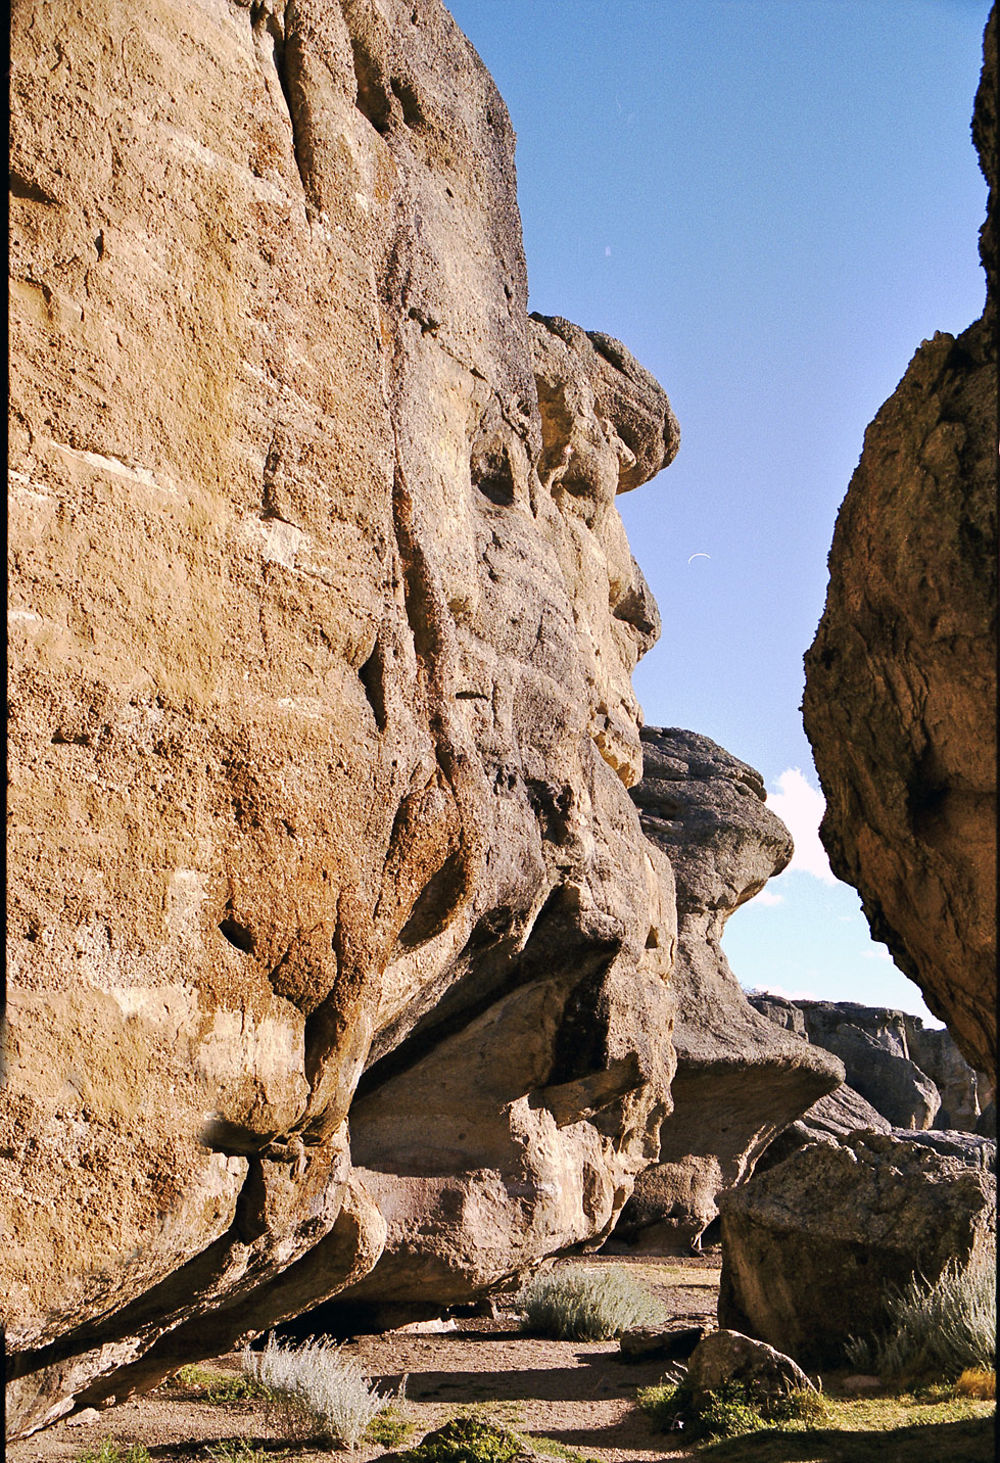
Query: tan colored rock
x=320, y=718
x=900, y=692
x=510, y=1117
x=740, y=1079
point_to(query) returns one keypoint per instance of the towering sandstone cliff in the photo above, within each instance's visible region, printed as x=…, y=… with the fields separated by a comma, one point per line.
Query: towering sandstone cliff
x=900, y=700
x=321, y=729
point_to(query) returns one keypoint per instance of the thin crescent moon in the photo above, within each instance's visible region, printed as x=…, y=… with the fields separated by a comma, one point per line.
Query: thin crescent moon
x=699, y=556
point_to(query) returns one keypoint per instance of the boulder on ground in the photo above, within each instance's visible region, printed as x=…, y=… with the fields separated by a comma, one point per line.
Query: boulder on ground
x=891, y=1083
x=810, y=1246
x=739, y=1079
x=672, y=1341
x=834, y=1118
x=729, y=1356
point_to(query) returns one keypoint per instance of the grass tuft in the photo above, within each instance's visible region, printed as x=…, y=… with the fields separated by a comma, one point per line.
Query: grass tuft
x=108, y=1450
x=977, y=1382
x=388, y=1429
x=938, y=1328
x=238, y=1450
x=587, y=1305
x=664, y=1404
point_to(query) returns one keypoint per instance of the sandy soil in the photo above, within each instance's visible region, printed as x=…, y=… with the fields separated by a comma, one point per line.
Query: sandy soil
x=580, y=1394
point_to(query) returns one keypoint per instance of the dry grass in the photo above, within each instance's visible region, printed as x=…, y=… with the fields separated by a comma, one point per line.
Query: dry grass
x=976, y=1383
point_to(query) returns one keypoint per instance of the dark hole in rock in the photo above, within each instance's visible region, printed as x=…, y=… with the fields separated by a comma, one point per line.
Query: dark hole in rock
x=492, y=473
x=372, y=99
x=370, y=676
x=237, y=935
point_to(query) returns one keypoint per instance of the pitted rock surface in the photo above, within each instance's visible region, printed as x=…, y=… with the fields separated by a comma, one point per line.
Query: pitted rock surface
x=900, y=691
x=740, y=1079
x=810, y=1246
x=321, y=724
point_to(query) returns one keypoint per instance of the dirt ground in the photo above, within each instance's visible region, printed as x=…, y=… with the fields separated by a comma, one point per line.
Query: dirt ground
x=581, y=1394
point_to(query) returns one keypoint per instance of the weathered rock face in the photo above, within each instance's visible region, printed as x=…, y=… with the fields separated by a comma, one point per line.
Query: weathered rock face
x=831, y=1120
x=914, y=1076
x=964, y=1092
x=810, y=1245
x=321, y=721
x=901, y=678
x=728, y=1356
x=739, y=1080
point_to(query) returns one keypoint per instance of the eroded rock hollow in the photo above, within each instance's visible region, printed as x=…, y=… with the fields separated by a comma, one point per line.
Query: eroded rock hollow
x=321, y=725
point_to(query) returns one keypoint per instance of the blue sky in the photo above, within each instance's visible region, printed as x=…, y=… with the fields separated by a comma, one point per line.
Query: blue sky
x=771, y=202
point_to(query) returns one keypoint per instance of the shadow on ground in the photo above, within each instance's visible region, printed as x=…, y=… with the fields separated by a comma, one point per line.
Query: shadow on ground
x=972, y=1440
x=546, y=1384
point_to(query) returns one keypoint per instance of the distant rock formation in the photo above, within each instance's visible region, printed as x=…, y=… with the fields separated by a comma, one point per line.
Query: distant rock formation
x=892, y=1061
x=321, y=726
x=900, y=698
x=810, y=1245
x=739, y=1080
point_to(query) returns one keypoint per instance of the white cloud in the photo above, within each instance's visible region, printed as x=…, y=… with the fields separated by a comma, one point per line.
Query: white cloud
x=801, y=806
x=766, y=897
x=877, y=952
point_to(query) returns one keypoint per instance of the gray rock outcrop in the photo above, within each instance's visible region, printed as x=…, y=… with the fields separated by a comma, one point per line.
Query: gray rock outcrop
x=321, y=724
x=900, y=692
x=915, y=1077
x=810, y=1245
x=739, y=1080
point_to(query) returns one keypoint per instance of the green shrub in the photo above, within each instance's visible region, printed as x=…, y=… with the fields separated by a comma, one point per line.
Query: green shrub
x=110, y=1451
x=218, y=1387
x=727, y=1413
x=466, y=1440
x=387, y=1429
x=665, y=1404
x=317, y=1390
x=587, y=1305
x=935, y=1328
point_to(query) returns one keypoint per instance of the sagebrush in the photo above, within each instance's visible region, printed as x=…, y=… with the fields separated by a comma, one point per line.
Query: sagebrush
x=587, y=1305
x=936, y=1328
x=320, y=1390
